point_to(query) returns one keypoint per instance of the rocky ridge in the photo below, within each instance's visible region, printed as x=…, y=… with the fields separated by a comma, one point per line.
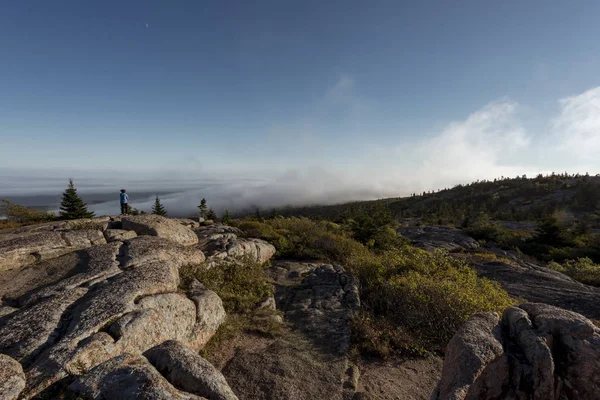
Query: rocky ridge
x=94, y=298
x=97, y=305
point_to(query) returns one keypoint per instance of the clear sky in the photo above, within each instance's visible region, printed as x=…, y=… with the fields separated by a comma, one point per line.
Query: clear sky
x=386, y=96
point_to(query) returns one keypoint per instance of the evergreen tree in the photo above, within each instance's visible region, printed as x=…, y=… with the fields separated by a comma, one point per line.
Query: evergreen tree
x=72, y=206
x=258, y=217
x=158, y=208
x=273, y=214
x=211, y=215
x=203, y=208
x=226, y=218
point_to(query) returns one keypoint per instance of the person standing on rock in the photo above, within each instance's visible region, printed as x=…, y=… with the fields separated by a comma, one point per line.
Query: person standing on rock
x=124, y=200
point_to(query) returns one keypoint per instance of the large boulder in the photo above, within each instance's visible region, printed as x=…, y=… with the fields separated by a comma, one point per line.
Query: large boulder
x=222, y=241
x=535, y=351
x=127, y=377
x=12, y=378
x=190, y=223
x=155, y=225
x=188, y=371
x=146, y=249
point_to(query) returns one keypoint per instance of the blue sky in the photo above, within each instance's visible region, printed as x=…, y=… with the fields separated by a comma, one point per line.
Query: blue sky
x=386, y=96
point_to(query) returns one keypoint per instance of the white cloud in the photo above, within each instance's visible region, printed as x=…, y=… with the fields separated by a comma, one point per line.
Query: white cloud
x=476, y=148
x=488, y=143
x=577, y=127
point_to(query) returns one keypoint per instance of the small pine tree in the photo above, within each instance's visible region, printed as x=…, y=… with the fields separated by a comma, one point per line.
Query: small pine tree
x=158, y=208
x=226, y=218
x=203, y=208
x=72, y=206
x=211, y=215
x=257, y=215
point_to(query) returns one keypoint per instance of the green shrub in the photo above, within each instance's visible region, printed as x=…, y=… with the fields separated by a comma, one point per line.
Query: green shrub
x=374, y=336
x=492, y=231
x=582, y=269
x=433, y=307
x=256, y=229
x=23, y=215
x=414, y=300
x=240, y=283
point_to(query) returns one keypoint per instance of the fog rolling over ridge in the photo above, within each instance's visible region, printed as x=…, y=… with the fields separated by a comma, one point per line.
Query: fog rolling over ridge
x=493, y=141
x=181, y=197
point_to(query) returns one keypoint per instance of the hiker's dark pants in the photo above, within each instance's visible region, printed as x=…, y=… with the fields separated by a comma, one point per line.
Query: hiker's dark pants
x=123, y=208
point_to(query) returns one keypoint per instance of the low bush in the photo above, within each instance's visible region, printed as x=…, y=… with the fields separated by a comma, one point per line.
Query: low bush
x=480, y=256
x=379, y=337
x=493, y=231
x=432, y=307
x=582, y=269
x=241, y=284
x=17, y=215
x=412, y=300
x=6, y=224
x=256, y=229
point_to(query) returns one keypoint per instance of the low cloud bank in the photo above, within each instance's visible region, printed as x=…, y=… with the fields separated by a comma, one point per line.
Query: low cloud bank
x=491, y=142
x=296, y=188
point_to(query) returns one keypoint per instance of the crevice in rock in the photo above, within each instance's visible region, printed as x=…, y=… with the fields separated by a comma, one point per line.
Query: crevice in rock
x=122, y=255
x=520, y=370
x=106, y=327
x=37, y=256
x=139, y=298
x=10, y=302
x=63, y=236
x=59, y=390
x=57, y=334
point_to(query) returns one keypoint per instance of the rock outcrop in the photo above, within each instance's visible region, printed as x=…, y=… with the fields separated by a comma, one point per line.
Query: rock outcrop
x=155, y=225
x=438, y=237
x=167, y=371
x=127, y=377
x=222, y=241
x=12, y=378
x=102, y=304
x=186, y=370
x=538, y=284
x=536, y=351
x=311, y=361
x=22, y=247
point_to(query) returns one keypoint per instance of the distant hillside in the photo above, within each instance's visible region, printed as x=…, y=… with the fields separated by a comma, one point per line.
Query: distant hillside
x=506, y=199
